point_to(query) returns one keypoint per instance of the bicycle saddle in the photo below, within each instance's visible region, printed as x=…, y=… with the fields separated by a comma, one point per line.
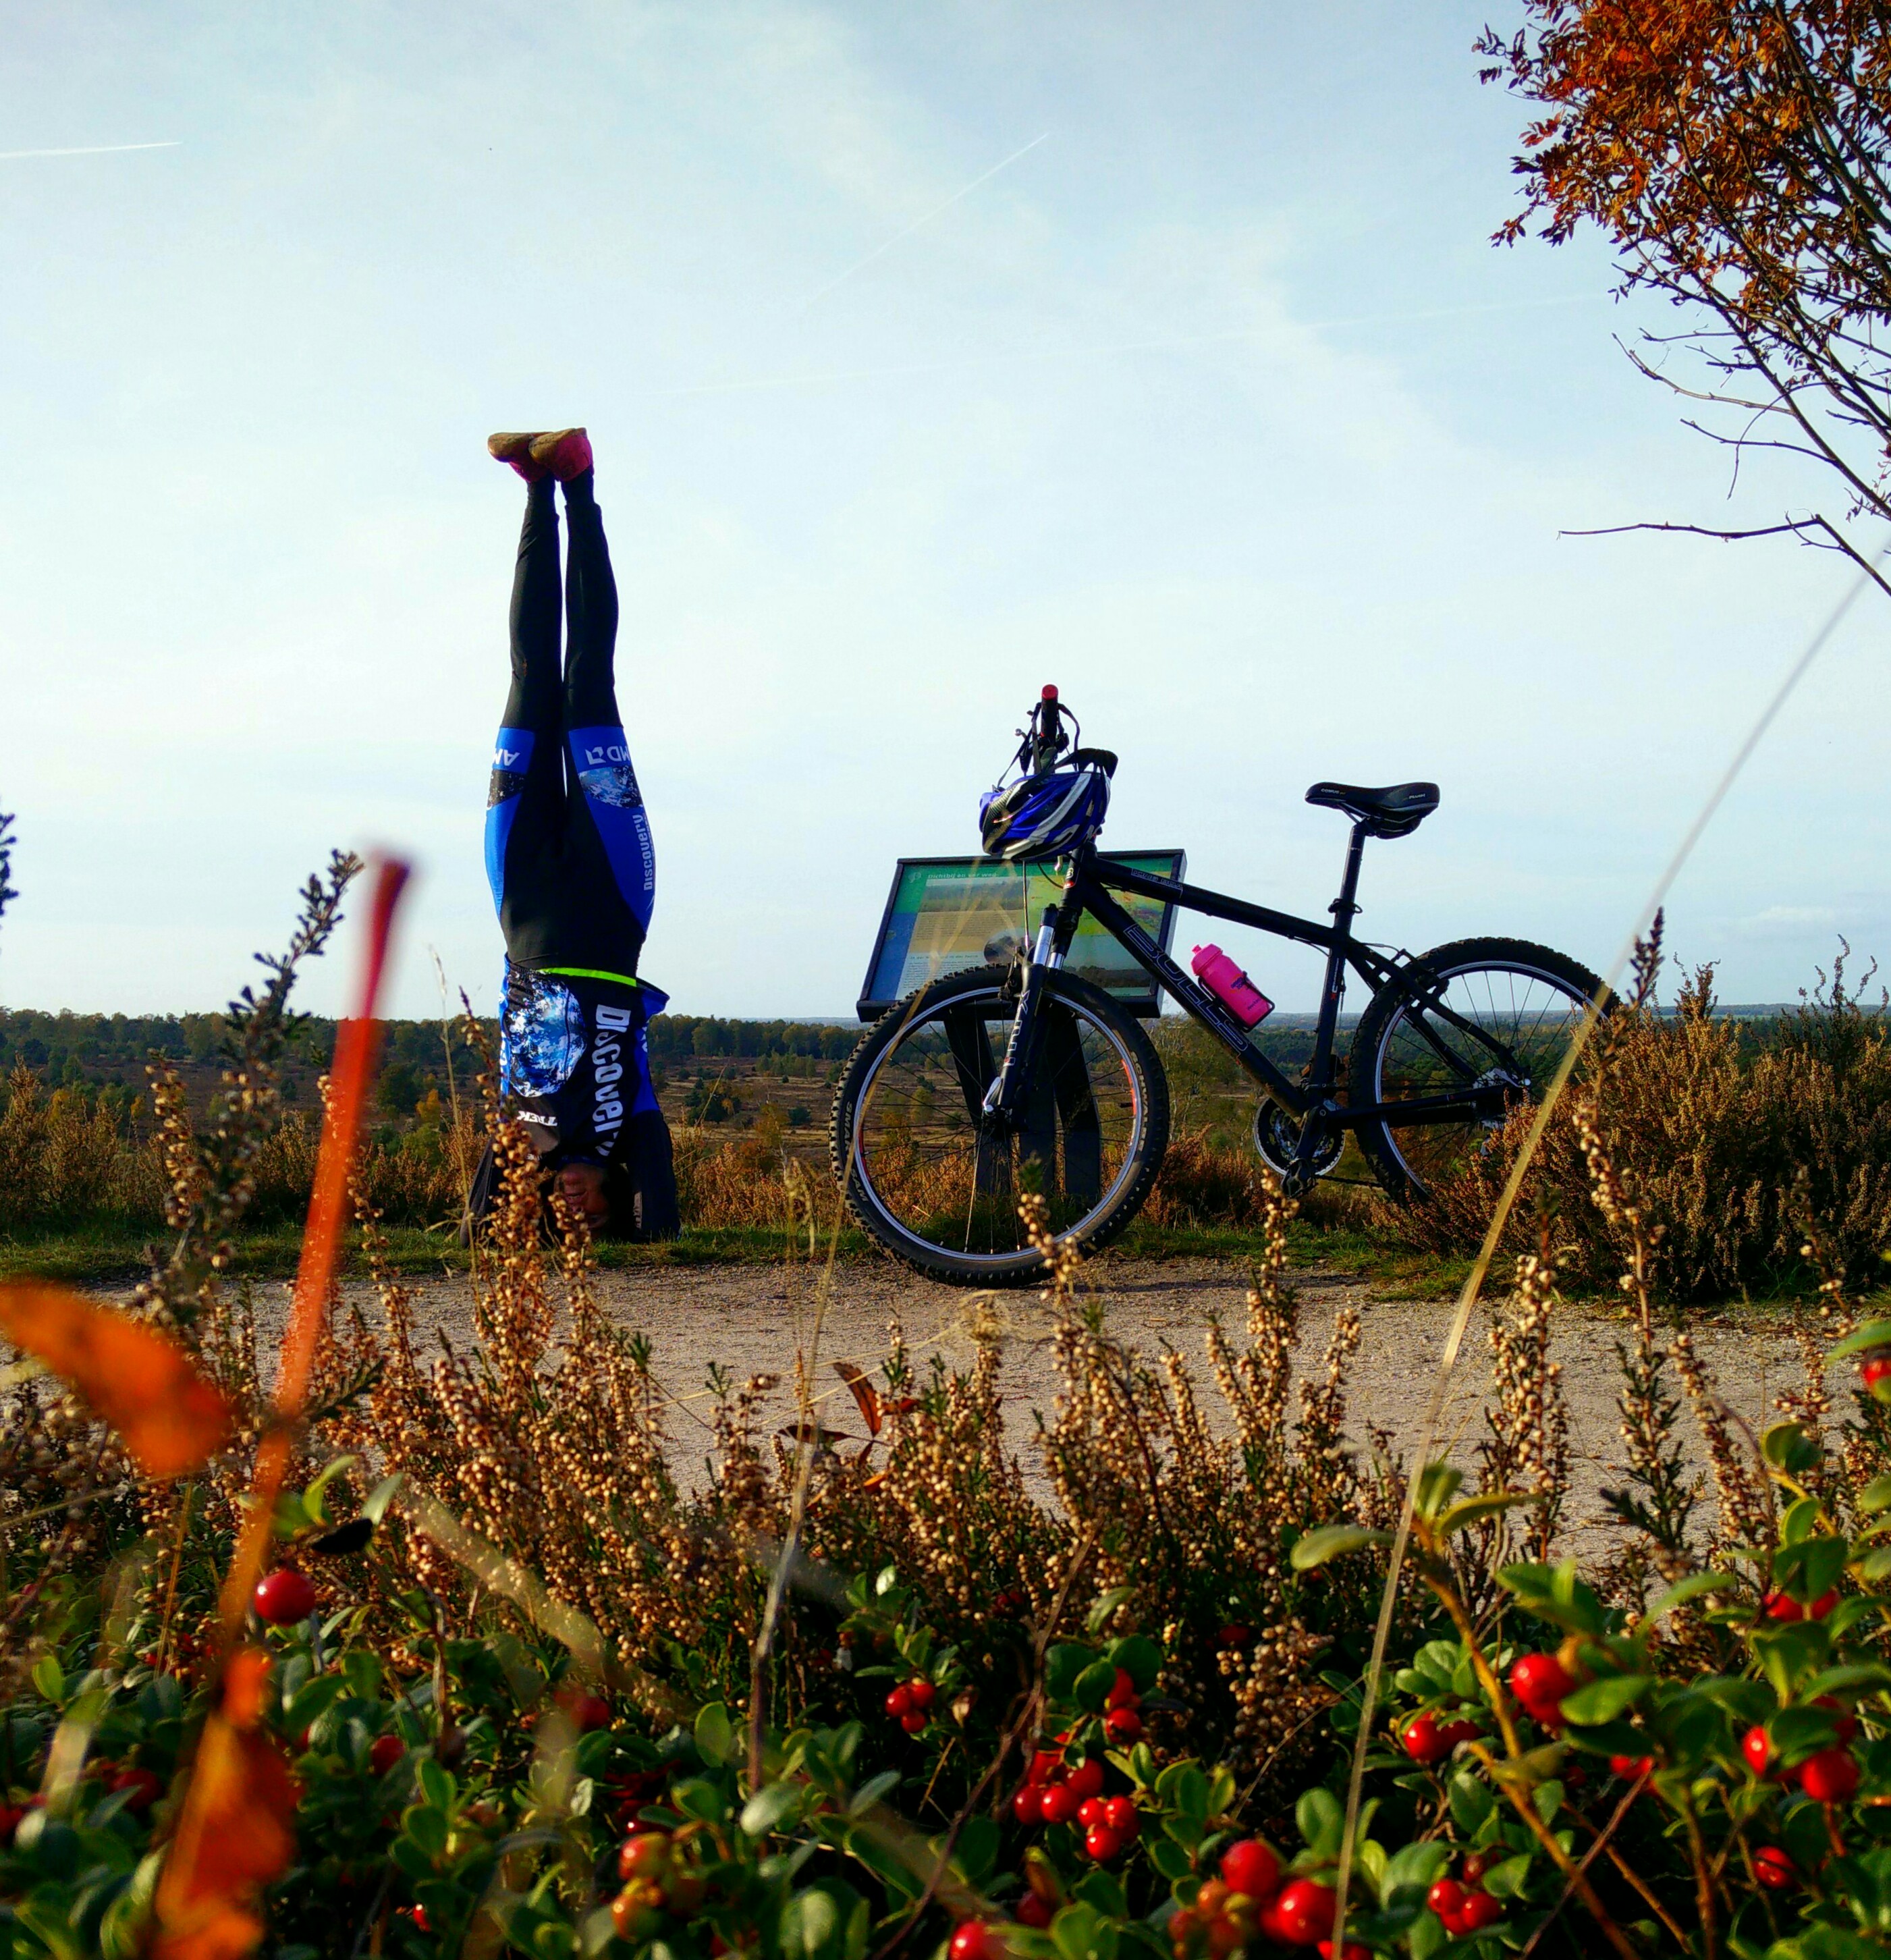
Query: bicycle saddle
x=1395, y=811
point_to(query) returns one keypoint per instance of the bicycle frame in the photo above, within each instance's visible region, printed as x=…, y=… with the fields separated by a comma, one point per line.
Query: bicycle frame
x=1088, y=883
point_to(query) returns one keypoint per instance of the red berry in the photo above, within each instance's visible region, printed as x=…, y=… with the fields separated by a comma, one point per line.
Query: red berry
x=1101, y=1843
x=1027, y=1805
x=588, y=1712
x=1274, y=1925
x=145, y=1787
x=1045, y=1766
x=1777, y=1606
x=1251, y=1866
x=1476, y=1863
x=1630, y=1767
x=1352, y=1950
x=1086, y=1779
x=1829, y=1777
x=285, y=1597
x=1123, y=1726
x=1454, y=1733
x=1756, y=1746
x=1774, y=1869
x=1092, y=1812
x=1446, y=1898
x=421, y=1922
x=1874, y=1368
x=1540, y=1681
x=900, y=1703
x=1305, y=1912
x=913, y=1721
x=1235, y=1634
x=384, y=1752
x=1123, y=1694
x=1822, y=1606
x=12, y=1815
x=1059, y=1803
x=1034, y=1911
x=1424, y=1742
x=1478, y=1911
x=642, y=1855
x=922, y=1692
x=1119, y=1813
x=1844, y=1721
x=973, y=1941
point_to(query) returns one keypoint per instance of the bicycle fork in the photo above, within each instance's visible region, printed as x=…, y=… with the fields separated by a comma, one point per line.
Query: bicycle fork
x=1006, y=1097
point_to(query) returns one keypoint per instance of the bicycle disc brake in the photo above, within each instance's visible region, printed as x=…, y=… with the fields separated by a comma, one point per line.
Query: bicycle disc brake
x=1277, y=1139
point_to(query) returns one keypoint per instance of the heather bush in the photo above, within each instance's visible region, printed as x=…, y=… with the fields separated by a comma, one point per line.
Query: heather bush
x=1740, y=1152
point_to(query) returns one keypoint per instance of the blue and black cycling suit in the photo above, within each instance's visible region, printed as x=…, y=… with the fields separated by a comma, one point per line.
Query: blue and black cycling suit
x=574, y=875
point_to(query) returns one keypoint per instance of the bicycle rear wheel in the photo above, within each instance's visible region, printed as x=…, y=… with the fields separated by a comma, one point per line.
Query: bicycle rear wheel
x=1522, y=1005
x=937, y=1182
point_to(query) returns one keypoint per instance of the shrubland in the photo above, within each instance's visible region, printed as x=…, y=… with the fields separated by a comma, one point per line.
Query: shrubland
x=491, y=1672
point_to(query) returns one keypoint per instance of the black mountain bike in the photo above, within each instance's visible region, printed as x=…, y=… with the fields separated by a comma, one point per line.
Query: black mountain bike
x=1002, y=1079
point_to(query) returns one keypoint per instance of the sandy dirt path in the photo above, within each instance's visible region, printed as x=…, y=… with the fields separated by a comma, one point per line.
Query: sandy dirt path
x=749, y=1320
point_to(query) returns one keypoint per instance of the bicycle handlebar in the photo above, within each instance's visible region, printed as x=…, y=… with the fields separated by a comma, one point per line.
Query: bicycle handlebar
x=1044, y=734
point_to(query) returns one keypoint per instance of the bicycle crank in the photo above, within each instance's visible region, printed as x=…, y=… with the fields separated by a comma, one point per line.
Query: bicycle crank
x=1277, y=1139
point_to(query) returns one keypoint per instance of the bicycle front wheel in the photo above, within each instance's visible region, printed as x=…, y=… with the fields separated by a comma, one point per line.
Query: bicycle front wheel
x=1514, y=1009
x=937, y=1182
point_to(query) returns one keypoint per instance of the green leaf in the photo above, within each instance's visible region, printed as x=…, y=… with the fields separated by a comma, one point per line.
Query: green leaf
x=1786, y=1446
x=382, y=1496
x=875, y=1789
x=1139, y=1658
x=1796, y=1523
x=1117, y=1596
x=1093, y=1685
x=49, y=1678
x=1170, y=1859
x=1874, y=1334
x=1188, y=1791
x=1473, y=1800
x=715, y=1736
x=1554, y=1593
x=1853, y=1678
x=1331, y=1542
x=1428, y=1936
x=770, y=1807
x=1066, y=1661
x=1437, y=1485
x=1604, y=1701
x=1875, y=1497
x=1418, y=1864
x=436, y=1785
x=976, y=1854
x=1321, y=1820
x=1507, y=1880
x=1080, y=1933
x=427, y=1828
x=1546, y=1799
x=828, y=1921
x=1104, y=1890
x=699, y=1798
x=1474, y=1510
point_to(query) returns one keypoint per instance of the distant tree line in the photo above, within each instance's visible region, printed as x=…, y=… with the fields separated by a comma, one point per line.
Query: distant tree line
x=67, y=1050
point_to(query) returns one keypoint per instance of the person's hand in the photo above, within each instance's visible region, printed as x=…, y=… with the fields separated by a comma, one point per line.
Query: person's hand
x=581, y=1185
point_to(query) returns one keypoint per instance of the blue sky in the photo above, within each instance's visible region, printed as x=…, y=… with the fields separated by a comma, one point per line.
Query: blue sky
x=1215, y=406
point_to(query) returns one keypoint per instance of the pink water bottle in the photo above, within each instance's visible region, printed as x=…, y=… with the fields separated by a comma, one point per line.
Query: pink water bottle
x=1230, y=986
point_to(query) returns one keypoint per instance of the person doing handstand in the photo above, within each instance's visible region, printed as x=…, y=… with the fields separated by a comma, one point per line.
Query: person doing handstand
x=574, y=875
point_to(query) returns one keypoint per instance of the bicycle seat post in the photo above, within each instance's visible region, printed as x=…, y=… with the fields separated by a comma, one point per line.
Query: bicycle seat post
x=1344, y=909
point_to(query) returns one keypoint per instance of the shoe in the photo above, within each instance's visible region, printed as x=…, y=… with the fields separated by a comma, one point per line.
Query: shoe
x=516, y=450
x=566, y=453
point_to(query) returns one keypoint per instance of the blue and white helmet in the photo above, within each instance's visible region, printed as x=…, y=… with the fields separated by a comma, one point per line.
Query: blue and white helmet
x=1049, y=813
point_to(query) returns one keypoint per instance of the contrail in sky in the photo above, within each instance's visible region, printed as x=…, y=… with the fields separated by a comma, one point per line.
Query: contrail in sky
x=1023, y=354
x=839, y=277
x=89, y=149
